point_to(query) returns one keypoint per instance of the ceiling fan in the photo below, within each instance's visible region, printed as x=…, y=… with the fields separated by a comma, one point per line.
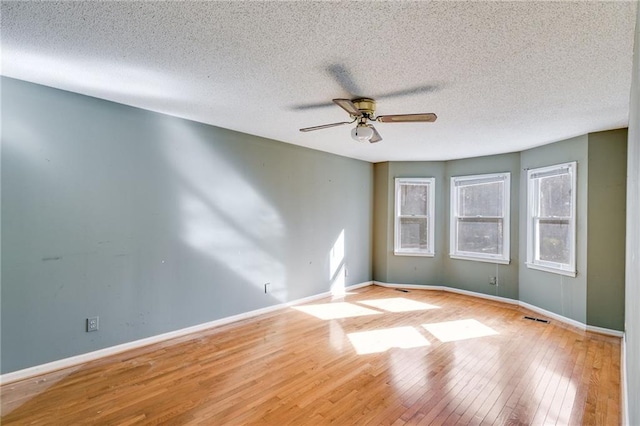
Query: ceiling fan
x=362, y=110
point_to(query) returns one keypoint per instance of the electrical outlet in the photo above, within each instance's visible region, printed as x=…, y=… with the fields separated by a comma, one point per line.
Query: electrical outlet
x=493, y=280
x=92, y=324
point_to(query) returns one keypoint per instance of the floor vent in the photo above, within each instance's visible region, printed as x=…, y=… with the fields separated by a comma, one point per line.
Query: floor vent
x=537, y=319
x=402, y=290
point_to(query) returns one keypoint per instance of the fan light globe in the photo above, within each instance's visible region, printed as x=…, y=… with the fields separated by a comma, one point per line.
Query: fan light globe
x=362, y=133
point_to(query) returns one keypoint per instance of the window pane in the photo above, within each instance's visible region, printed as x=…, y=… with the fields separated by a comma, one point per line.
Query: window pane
x=413, y=199
x=413, y=233
x=480, y=235
x=555, y=196
x=481, y=200
x=554, y=240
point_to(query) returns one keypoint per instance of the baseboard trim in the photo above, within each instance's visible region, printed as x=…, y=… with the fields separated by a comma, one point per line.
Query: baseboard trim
x=607, y=331
x=525, y=305
x=409, y=286
x=553, y=315
x=450, y=290
x=113, y=350
x=482, y=296
x=623, y=381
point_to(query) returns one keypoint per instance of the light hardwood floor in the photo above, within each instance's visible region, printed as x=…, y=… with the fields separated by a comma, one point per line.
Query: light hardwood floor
x=376, y=356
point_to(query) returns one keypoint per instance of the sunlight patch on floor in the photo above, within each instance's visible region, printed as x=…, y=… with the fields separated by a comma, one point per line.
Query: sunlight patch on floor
x=327, y=311
x=545, y=374
x=451, y=331
x=32, y=388
x=336, y=336
x=376, y=341
x=398, y=304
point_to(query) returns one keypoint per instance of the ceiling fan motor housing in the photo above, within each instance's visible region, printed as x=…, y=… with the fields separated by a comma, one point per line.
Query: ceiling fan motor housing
x=366, y=105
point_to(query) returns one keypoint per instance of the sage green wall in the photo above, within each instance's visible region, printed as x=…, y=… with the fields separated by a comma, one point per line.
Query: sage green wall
x=440, y=269
x=606, y=229
x=594, y=297
x=566, y=296
x=406, y=269
x=472, y=275
x=154, y=223
x=380, y=220
x=632, y=278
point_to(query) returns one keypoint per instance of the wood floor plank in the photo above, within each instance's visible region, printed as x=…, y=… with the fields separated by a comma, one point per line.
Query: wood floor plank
x=500, y=389
x=507, y=407
x=291, y=367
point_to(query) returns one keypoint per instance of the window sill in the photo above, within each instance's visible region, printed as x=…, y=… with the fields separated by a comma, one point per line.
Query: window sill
x=552, y=270
x=480, y=259
x=409, y=253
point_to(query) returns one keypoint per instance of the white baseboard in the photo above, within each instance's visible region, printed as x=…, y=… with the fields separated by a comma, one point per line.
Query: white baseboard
x=483, y=296
x=411, y=286
x=553, y=315
x=357, y=286
x=607, y=331
x=529, y=306
x=449, y=289
x=623, y=382
x=112, y=350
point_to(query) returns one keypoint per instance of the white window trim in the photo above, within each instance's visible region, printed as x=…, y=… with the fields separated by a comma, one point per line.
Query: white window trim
x=504, y=257
x=532, y=203
x=431, y=183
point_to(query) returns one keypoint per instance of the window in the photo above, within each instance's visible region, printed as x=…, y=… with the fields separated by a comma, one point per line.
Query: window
x=479, y=227
x=551, y=219
x=414, y=216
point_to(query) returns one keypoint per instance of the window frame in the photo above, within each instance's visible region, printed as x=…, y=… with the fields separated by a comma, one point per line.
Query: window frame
x=430, y=217
x=533, y=205
x=454, y=253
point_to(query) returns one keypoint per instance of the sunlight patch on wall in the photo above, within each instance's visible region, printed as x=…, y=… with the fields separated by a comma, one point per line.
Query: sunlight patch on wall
x=451, y=331
x=337, y=266
x=336, y=255
x=212, y=235
x=328, y=311
x=223, y=215
x=398, y=304
x=337, y=287
x=376, y=341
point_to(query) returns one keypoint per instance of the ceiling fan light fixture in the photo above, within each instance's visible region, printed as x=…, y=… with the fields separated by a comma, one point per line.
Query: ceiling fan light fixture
x=362, y=133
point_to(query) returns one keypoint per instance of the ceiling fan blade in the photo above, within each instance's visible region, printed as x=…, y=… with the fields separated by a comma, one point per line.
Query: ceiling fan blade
x=348, y=106
x=324, y=126
x=407, y=118
x=376, y=136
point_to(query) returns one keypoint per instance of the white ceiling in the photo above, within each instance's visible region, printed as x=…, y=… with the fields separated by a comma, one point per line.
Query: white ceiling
x=501, y=76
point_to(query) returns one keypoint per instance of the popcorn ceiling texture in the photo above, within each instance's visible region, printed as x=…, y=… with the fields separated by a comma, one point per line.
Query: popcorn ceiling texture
x=502, y=76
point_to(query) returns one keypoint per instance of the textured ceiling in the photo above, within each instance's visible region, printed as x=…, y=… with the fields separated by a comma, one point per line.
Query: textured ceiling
x=502, y=76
